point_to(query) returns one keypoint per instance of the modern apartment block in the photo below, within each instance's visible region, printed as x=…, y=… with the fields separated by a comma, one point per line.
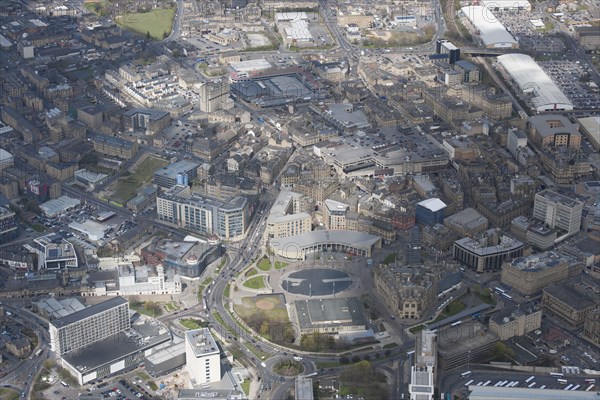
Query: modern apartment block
x=54, y=252
x=224, y=218
x=178, y=173
x=558, y=211
x=423, y=372
x=89, y=325
x=285, y=218
x=146, y=119
x=334, y=214
x=202, y=357
x=487, y=252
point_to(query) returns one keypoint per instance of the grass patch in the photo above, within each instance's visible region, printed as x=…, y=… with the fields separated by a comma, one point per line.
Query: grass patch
x=417, y=328
x=192, y=324
x=143, y=376
x=390, y=345
x=156, y=22
x=258, y=282
x=280, y=264
x=8, y=394
x=264, y=264
x=288, y=368
x=267, y=315
x=152, y=385
x=390, y=258
x=227, y=290
x=454, y=308
x=250, y=272
x=126, y=187
x=327, y=364
x=207, y=281
x=200, y=292
x=38, y=227
x=149, y=308
x=246, y=386
x=171, y=306
x=220, y=320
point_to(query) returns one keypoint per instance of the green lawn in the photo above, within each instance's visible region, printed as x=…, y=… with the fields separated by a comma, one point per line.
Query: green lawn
x=157, y=22
x=328, y=364
x=170, y=307
x=416, y=329
x=264, y=264
x=280, y=264
x=8, y=394
x=227, y=290
x=246, y=386
x=207, y=281
x=251, y=272
x=257, y=352
x=258, y=282
x=190, y=323
x=454, y=308
x=126, y=188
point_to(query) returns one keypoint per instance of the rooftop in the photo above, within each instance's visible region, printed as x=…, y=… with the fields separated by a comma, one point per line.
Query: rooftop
x=568, y=295
x=538, y=262
x=559, y=198
x=201, y=342
x=491, y=31
x=336, y=311
x=513, y=393
x=433, y=204
x=89, y=311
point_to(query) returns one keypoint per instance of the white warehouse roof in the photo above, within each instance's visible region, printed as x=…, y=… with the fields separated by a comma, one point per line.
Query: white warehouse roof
x=531, y=78
x=491, y=31
x=506, y=4
x=434, y=204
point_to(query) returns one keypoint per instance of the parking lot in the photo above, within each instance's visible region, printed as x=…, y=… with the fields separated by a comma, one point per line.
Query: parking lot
x=121, y=390
x=571, y=77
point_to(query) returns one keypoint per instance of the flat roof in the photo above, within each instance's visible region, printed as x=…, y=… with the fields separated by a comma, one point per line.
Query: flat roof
x=559, y=198
x=491, y=31
x=115, y=347
x=89, y=311
x=250, y=65
x=457, y=317
x=568, y=295
x=434, y=204
x=336, y=311
x=591, y=125
x=202, y=342
x=167, y=353
x=513, y=393
x=59, y=205
x=304, y=388
x=531, y=78
x=349, y=238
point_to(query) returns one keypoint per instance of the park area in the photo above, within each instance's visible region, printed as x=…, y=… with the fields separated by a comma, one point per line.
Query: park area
x=267, y=315
x=156, y=23
x=127, y=186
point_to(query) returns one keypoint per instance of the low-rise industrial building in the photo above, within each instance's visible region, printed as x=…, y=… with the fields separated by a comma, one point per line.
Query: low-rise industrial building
x=330, y=315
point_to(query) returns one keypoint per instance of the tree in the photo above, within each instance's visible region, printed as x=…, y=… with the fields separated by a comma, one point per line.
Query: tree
x=165, y=34
x=264, y=328
x=500, y=352
x=148, y=35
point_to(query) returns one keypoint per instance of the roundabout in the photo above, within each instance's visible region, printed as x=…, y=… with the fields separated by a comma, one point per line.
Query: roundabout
x=316, y=282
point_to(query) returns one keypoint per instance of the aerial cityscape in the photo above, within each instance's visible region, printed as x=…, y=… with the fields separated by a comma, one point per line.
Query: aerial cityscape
x=300, y=199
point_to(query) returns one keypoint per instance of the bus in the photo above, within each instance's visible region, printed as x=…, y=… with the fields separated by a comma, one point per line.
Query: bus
x=575, y=387
x=465, y=374
x=487, y=383
x=37, y=353
x=590, y=387
x=568, y=387
x=507, y=296
x=499, y=290
x=590, y=381
x=542, y=387
x=561, y=381
x=532, y=384
x=64, y=384
x=456, y=323
x=530, y=379
x=468, y=383
x=557, y=374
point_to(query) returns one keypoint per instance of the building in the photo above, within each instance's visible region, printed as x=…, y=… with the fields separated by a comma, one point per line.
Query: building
x=58, y=206
x=487, y=252
x=224, y=218
x=303, y=387
x=203, y=357
x=93, y=230
x=89, y=325
x=166, y=360
x=18, y=346
x=523, y=393
x=299, y=246
x=334, y=214
x=467, y=222
x=51, y=308
x=470, y=73
x=590, y=126
x=178, y=173
x=551, y=130
x=145, y=198
x=558, y=211
x=533, y=83
x=568, y=302
x=8, y=225
x=588, y=37
x=443, y=46
x=54, y=252
x=330, y=315
x=506, y=5
x=516, y=321
x=407, y=291
x=115, y=147
x=147, y=120
x=6, y=159
x=89, y=178
x=188, y=258
x=516, y=139
x=591, y=328
x=285, y=218
x=423, y=372
x=463, y=344
x=529, y=275
x=491, y=31
x=213, y=95
x=431, y=211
